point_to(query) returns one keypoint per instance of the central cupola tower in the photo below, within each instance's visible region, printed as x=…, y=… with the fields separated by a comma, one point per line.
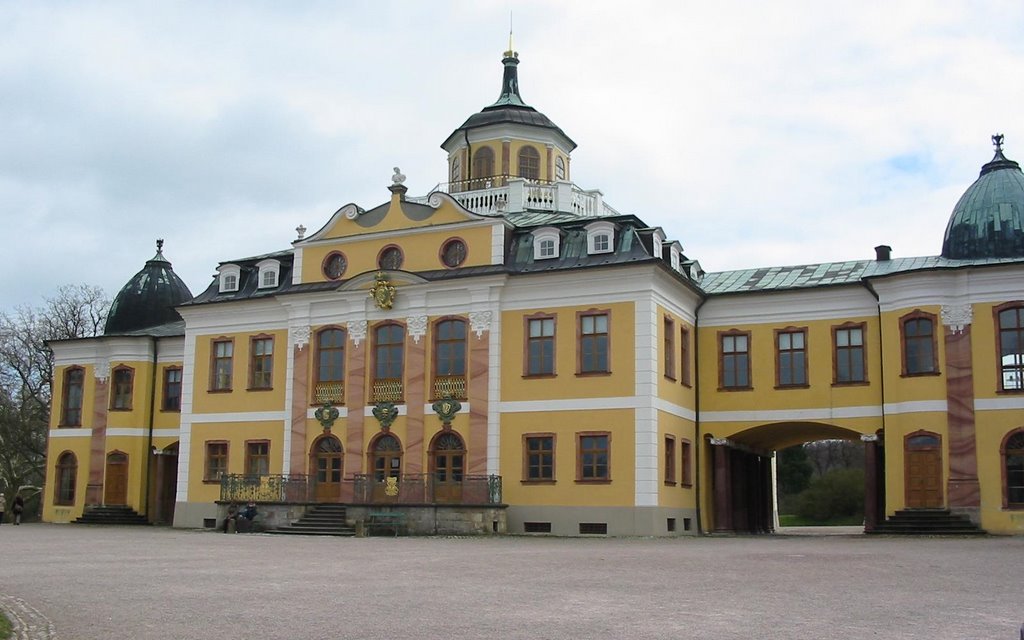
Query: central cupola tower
x=505, y=140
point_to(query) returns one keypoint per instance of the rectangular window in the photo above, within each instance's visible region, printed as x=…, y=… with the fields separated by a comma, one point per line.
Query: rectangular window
x=388, y=363
x=918, y=334
x=848, y=343
x=670, y=460
x=684, y=356
x=223, y=352
x=540, y=347
x=257, y=458
x=734, y=356
x=121, y=396
x=670, y=348
x=791, y=358
x=172, y=389
x=593, y=456
x=261, y=363
x=73, y=381
x=1011, y=348
x=216, y=461
x=539, y=457
x=686, y=475
x=593, y=343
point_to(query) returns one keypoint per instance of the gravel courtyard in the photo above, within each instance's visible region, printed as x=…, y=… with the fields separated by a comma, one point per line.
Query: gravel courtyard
x=81, y=583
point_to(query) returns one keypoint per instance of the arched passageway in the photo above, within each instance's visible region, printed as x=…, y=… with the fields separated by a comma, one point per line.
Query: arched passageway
x=741, y=473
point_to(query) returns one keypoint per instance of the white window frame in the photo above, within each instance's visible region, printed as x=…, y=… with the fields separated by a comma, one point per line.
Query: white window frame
x=676, y=250
x=540, y=238
x=228, y=275
x=597, y=229
x=267, y=267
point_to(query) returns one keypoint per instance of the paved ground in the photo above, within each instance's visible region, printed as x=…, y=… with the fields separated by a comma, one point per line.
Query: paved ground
x=79, y=583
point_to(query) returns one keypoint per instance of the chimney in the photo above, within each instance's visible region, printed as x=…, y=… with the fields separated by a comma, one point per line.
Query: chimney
x=883, y=252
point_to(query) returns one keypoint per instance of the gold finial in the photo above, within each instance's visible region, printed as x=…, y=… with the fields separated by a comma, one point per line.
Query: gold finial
x=511, y=49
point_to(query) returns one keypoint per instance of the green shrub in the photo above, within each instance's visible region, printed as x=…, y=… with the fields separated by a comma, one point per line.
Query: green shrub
x=836, y=494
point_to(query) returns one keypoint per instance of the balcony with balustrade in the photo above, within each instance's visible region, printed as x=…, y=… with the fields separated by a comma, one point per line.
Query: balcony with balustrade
x=501, y=194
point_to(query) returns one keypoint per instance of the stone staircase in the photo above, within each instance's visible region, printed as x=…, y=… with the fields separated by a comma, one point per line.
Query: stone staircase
x=321, y=520
x=928, y=522
x=113, y=515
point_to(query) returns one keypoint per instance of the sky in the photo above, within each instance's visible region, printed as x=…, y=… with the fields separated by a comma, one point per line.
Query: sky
x=755, y=133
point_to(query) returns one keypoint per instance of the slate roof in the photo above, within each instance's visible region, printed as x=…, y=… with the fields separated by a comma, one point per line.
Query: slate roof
x=148, y=299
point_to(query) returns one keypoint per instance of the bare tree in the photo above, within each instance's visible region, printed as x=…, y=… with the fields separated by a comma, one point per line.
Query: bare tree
x=26, y=375
x=827, y=455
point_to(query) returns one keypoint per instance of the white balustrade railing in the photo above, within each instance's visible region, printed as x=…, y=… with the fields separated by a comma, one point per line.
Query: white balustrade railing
x=518, y=194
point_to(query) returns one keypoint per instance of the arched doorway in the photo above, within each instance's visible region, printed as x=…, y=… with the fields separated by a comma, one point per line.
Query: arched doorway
x=922, y=452
x=327, y=463
x=115, y=486
x=447, y=465
x=165, y=484
x=385, y=463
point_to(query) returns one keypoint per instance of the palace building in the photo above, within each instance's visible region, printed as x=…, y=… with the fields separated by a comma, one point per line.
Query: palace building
x=509, y=353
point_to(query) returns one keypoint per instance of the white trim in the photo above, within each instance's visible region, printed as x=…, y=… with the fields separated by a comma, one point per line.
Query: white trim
x=368, y=410
x=226, y=271
x=784, y=415
x=142, y=431
x=268, y=266
x=70, y=433
x=185, y=421
x=569, y=404
x=498, y=244
x=676, y=410
x=843, y=303
x=493, y=388
x=297, y=265
x=918, y=406
x=542, y=235
x=600, y=228
x=996, y=404
x=645, y=427
x=239, y=416
x=311, y=412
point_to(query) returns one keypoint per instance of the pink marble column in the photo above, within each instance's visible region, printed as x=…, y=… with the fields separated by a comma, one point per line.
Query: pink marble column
x=97, y=443
x=300, y=403
x=415, y=396
x=355, y=401
x=477, y=391
x=963, y=460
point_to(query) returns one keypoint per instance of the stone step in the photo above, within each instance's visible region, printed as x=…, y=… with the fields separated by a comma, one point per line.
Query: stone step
x=928, y=522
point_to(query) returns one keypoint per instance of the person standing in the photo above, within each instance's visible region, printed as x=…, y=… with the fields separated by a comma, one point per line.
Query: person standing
x=19, y=506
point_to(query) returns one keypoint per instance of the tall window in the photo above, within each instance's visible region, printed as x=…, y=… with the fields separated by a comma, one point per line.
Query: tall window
x=593, y=342
x=65, y=477
x=1011, y=348
x=1013, y=457
x=669, y=348
x=386, y=458
x=539, y=457
x=918, y=333
x=684, y=356
x=450, y=358
x=74, y=378
x=257, y=458
x=686, y=475
x=261, y=363
x=172, y=389
x=734, y=356
x=848, y=343
x=121, y=394
x=483, y=166
x=540, y=347
x=529, y=163
x=217, y=460
x=791, y=358
x=330, y=368
x=220, y=375
x=670, y=460
x=388, y=347
x=593, y=455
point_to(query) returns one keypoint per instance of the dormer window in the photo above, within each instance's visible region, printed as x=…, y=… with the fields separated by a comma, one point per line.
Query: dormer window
x=659, y=240
x=270, y=271
x=545, y=243
x=600, y=237
x=675, y=254
x=229, y=275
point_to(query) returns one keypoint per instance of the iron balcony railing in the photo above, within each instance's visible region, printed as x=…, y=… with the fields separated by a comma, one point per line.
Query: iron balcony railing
x=450, y=387
x=362, y=488
x=386, y=390
x=332, y=392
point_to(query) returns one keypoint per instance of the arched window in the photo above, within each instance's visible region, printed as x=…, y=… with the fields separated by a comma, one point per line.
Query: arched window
x=328, y=464
x=1011, y=348
x=917, y=330
x=529, y=163
x=65, y=479
x=447, y=465
x=330, y=368
x=388, y=362
x=121, y=394
x=1013, y=470
x=450, y=359
x=483, y=167
x=386, y=457
x=73, y=381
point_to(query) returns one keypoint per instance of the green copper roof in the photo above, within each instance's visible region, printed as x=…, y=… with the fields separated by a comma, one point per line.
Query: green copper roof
x=988, y=221
x=149, y=298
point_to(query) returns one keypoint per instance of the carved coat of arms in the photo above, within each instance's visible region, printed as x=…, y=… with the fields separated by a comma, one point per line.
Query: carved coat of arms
x=383, y=292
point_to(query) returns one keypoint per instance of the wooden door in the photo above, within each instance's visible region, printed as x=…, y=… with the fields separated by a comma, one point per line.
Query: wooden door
x=447, y=465
x=923, y=460
x=115, y=488
x=327, y=465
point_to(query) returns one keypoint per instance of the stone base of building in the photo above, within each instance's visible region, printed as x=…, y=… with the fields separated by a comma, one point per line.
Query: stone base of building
x=612, y=521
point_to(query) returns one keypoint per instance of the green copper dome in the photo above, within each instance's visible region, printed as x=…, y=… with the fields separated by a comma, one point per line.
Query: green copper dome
x=988, y=221
x=148, y=300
